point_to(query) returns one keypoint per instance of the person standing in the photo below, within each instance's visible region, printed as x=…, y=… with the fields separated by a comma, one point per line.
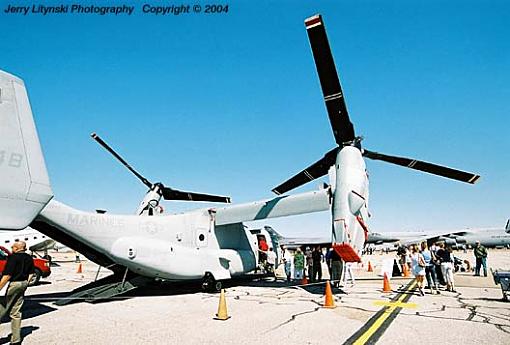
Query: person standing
x=348, y=271
x=287, y=263
x=402, y=253
x=299, y=264
x=328, y=261
x=263, y=248
x=430, y=268
x=437, y=264
x=446, y=258
x=77, y=257
x=309, y=264
x=336, y=268
x=271, y=262
x=481, y=258
x=317, y=264
x=418, y=267
x=18, y=271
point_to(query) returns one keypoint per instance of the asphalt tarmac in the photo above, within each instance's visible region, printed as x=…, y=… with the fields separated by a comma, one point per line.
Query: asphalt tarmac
x=264, y=311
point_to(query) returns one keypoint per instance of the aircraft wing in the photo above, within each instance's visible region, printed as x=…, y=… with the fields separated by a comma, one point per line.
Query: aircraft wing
x=281, y=206
x=408, y=238
x=436, y=237
x=294, y=242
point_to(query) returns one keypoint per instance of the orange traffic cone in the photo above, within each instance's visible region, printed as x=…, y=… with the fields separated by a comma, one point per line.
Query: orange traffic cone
x=405, y=268
x=329, y=302
x=370, y=269
x=304, y=281
x=222, y=308
x=386, y=284
x=79, y=270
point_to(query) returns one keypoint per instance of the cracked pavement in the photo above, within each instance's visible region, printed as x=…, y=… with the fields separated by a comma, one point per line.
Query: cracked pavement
x=266, y=310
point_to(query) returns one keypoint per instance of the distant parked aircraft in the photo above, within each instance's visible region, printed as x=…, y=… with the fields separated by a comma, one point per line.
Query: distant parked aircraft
x=34, y=239
x=488, y=237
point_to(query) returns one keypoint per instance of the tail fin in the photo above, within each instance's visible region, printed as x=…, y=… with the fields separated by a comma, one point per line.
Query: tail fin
x=507, y=226
x=24, y=183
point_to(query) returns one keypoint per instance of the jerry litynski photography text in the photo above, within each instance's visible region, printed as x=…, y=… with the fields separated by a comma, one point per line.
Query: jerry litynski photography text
x=159, y=10
x=70, y=8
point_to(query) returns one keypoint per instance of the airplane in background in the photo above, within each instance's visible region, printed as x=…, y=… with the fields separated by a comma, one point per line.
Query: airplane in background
x=488, y=237
x=372, y=238
x=35, y=241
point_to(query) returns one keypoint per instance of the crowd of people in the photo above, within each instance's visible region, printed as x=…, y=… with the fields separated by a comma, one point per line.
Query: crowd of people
x=308, y=263
x=436, y=264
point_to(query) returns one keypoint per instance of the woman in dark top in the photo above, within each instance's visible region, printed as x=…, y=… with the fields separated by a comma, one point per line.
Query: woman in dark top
x=446, y=257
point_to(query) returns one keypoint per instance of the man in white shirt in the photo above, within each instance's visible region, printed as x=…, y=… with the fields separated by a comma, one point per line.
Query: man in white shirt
x=271, y=261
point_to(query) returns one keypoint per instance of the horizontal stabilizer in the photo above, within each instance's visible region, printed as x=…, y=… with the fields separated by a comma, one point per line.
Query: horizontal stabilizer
x=278, y=207
x=314, y=171
x=430, y=168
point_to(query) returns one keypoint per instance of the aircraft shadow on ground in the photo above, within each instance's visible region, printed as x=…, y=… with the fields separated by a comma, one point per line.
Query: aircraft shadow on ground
x=33, y=307
x=313, y=288
x=184, y=288
x=25, y=331
x=149, y=290
x=173, y=289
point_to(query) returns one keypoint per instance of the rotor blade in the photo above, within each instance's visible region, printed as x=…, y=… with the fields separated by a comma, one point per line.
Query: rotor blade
x=314, y=171
x=343, y=129
x=173, y=194
x=424, y=166
x=116, y=155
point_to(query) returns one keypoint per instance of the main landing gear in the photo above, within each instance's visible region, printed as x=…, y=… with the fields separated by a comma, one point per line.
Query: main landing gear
x=210, y=284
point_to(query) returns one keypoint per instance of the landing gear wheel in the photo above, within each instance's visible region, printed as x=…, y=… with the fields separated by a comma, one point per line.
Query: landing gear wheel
x=210, y=284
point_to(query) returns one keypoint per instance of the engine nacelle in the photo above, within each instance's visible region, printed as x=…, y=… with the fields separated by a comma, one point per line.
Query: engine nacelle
x=461, y=240
x=448, y=241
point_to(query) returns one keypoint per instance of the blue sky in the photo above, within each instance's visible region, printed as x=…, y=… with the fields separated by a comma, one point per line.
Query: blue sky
x=231, y=104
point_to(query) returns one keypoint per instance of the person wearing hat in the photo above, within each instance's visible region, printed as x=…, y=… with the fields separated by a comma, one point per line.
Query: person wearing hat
x=481, y=258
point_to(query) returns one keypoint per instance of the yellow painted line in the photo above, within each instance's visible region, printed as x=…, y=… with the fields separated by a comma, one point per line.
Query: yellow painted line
x=396, y=304
x=378, y=323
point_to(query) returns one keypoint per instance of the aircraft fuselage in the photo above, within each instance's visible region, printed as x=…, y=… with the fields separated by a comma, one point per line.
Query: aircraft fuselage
x=172, y=247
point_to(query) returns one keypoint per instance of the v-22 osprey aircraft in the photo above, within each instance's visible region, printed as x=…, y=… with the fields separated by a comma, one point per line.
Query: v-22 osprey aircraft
x=209, y=244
